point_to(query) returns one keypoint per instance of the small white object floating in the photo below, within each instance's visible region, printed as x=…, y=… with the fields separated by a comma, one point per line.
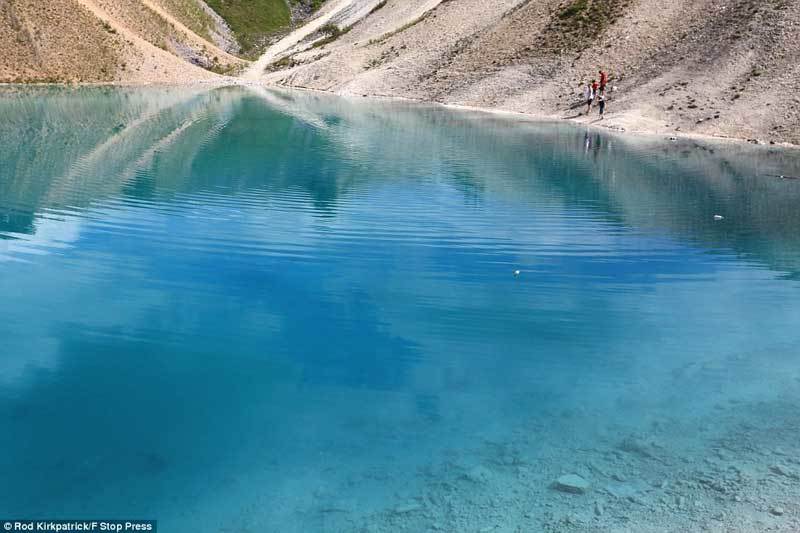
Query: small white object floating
x=718, y=217
x=516, y=273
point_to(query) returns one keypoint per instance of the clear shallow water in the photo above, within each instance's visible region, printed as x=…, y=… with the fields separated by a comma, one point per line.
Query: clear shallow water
x=249, y=310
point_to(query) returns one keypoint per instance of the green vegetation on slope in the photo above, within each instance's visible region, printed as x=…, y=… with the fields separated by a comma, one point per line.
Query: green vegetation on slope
x=252, y=21
x=332, y=32
x=192, y=15
x=310, y=5
x=577, y=23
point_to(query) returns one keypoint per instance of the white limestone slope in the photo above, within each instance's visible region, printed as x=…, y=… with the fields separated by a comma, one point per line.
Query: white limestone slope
x=343, y=13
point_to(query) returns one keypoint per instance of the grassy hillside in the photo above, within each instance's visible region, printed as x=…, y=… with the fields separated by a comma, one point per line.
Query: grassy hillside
x=252, y=21
x=51, y=41
x=192, y=15
x=110, y=40
x=137, y=40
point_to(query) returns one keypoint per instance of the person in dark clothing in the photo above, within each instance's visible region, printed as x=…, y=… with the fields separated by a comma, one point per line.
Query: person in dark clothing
x=601, y=104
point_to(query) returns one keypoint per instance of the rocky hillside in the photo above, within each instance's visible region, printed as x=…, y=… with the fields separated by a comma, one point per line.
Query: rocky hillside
x=719, y=67
x=137, y=40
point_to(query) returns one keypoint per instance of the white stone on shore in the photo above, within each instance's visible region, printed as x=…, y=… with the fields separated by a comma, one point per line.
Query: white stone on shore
x=572, y=483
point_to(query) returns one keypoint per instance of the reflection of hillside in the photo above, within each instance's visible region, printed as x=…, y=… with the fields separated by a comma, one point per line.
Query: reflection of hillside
x=66, y=149
x=678, y=188
x=646, y=183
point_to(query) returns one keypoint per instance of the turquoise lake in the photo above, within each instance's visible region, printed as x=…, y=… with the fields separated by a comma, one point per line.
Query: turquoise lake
x=252, y=310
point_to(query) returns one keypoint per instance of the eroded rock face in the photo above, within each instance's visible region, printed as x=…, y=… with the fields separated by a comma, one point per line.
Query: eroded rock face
x=571, y=483
x=221, y=34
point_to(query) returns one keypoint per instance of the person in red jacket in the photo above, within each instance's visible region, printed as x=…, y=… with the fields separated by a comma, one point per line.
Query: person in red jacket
x=603, y=81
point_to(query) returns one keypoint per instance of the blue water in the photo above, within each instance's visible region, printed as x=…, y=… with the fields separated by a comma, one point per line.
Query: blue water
x=242, y=309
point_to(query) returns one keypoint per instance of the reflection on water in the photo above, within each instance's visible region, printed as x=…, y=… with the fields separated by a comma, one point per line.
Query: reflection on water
x=245, y=309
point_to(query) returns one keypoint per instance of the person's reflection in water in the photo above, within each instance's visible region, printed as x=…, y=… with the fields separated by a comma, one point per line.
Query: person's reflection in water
x=596, y=146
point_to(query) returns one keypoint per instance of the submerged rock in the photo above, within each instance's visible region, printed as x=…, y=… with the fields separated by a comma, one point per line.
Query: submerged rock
x=624, y=490
x=478, y=474
x=598, y=509
x=634, y=445
x=407, y=508
x=777, y=511
x=783, y=471
x=571, y=483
